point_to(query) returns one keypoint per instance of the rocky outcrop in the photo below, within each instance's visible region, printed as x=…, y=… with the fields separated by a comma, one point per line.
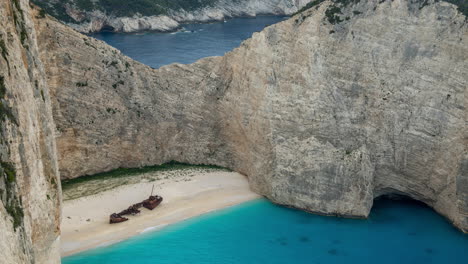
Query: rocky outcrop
x=96, y=20
x=324, y=112
x=29, y=178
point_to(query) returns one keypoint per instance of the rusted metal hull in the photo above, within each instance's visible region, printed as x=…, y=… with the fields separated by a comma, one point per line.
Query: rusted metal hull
x=117, y=219
x=152, y=202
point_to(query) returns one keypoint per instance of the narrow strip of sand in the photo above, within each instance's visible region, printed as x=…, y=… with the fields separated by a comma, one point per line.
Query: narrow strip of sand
x=85, y=223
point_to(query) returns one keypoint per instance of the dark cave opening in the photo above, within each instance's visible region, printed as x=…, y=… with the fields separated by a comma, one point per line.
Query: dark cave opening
x=399, y=197
x=387, y=202
x=396, y=199
x=107, y=28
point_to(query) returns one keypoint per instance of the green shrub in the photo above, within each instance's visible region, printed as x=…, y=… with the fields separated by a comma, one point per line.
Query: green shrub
x=2, y=87
x=9, y=171
x=42, y=13
x=16, y=212
x=114, y=64
x=124, y=172
x=461, y=4
x=6, y=113
x=333, y=15
x=334, y=10
x=3, y=49
x=309, y=5
x=117, y=83
x=10, y=200
x=82, y=84
x=5, y=110
x=86, y=5
x=57, y=9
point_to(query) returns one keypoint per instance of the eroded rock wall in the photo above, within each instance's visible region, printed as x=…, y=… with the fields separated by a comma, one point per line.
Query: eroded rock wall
x=29, y=178
x=113, y=112
x=366, y=107
x=322, y=113
x=98, y=18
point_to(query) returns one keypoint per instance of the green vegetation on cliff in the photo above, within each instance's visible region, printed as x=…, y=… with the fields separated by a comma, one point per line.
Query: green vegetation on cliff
x=462, y=5
x=5, y=110
x=9, y=197
x=61, y=9
x=18, y=17
x=8, y=184
x=118, y=8
x=309, y=6
x=334, y=11
x=9, y=171
x=3, y=49
x=93, y=184
x=2, y=87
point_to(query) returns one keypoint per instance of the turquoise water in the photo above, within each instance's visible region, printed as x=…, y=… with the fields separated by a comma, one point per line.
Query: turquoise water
x=261, y=232
x=193, y=42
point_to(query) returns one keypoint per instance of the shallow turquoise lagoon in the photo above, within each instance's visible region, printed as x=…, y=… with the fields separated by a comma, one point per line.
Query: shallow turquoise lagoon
x=261, y=232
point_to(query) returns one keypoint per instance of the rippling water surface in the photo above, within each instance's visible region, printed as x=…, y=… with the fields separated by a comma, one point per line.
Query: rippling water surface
x=261, y=232
x=193, y=42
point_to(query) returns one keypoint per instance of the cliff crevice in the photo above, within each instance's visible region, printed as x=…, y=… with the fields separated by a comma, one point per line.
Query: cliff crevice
x=29, y=189
x=323, y=112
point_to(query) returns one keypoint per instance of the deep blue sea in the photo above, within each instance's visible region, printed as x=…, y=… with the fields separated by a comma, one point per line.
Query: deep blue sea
x=193, y=42
x=261, y=232
x=402, y=232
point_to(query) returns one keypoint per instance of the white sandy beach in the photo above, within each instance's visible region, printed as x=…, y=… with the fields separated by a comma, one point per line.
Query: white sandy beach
x=85, y=222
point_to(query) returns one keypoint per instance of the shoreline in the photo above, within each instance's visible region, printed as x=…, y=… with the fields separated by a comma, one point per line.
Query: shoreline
x=179, y=27
x=85, y=220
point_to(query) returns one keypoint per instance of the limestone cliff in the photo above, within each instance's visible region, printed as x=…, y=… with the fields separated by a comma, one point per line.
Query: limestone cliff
x=325, y=111
x=130, y=16
x=29, y=189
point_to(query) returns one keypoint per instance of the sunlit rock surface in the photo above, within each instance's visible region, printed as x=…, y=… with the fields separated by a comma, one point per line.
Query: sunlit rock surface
x=29, y=178
x=322, y=114
x=97, y=18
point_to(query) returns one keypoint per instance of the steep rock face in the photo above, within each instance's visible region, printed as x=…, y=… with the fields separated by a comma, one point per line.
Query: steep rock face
x=29, y=190
x=360, y=109
x=113, y=112
x=323, y=112
x=98, y=18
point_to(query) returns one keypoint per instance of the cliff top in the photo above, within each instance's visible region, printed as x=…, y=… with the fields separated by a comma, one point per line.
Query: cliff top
x=335, y=9
x=119, y=8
